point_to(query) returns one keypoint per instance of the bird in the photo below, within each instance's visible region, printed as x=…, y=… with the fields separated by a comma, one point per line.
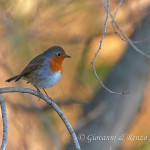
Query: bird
x=45, y=70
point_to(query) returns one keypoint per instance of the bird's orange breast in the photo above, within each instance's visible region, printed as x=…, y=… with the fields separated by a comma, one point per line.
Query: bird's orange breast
x=56, y=64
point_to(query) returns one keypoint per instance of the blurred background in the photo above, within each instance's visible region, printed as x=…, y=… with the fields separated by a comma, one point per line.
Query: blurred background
x=27, y=28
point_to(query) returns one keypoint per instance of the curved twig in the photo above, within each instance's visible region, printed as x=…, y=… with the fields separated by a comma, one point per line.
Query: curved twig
x=120, y=32
x=5, y=126
x=51, y=103
x=93, y=61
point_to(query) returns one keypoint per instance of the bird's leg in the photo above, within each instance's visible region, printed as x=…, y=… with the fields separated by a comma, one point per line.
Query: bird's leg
x=45, y=92
x=40, y=93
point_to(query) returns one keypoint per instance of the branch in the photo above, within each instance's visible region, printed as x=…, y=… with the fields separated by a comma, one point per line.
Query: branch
x=93, y=61
x=119, y=5
x=5, y=126
x=120, y=33
x=51, y=103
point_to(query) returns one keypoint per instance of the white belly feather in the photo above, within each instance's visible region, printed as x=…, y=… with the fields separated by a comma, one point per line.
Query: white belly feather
x=51, y=80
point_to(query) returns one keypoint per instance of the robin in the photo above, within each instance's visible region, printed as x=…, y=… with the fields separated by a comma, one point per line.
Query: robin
x=45, y=70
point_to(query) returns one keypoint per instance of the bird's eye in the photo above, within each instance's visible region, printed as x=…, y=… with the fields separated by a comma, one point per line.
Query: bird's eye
x=58, y=54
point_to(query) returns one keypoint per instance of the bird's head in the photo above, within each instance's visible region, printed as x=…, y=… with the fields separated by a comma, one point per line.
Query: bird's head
x=56, y=55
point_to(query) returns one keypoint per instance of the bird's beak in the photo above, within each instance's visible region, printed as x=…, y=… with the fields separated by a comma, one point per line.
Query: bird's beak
x=67, y=56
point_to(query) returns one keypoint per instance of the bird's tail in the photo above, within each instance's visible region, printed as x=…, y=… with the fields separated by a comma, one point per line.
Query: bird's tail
x=16, y=78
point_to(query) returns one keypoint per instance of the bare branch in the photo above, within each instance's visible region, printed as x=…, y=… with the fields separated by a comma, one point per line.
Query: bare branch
x=51, y=103
x=93, y=61
x=141, y=41
x=5, y=126
x=120, y=33
x=119, y=5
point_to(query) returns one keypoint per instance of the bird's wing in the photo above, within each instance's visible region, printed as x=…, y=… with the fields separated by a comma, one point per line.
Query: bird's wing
x=35, y=64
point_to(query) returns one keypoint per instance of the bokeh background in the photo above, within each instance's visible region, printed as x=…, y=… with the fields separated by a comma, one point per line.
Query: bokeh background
x=29, y=27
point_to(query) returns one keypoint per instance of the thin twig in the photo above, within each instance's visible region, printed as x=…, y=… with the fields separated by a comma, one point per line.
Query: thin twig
x=117, y=33
x=141, y=41
x=51, y=103
x=119, y=5
x=117, y=27
x=93, y=61
x=5, y=125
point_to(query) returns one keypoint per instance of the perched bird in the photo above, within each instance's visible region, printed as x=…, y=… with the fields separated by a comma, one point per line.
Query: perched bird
x=45, y=70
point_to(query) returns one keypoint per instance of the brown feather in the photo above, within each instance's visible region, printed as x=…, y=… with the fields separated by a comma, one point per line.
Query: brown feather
x=36, y=63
